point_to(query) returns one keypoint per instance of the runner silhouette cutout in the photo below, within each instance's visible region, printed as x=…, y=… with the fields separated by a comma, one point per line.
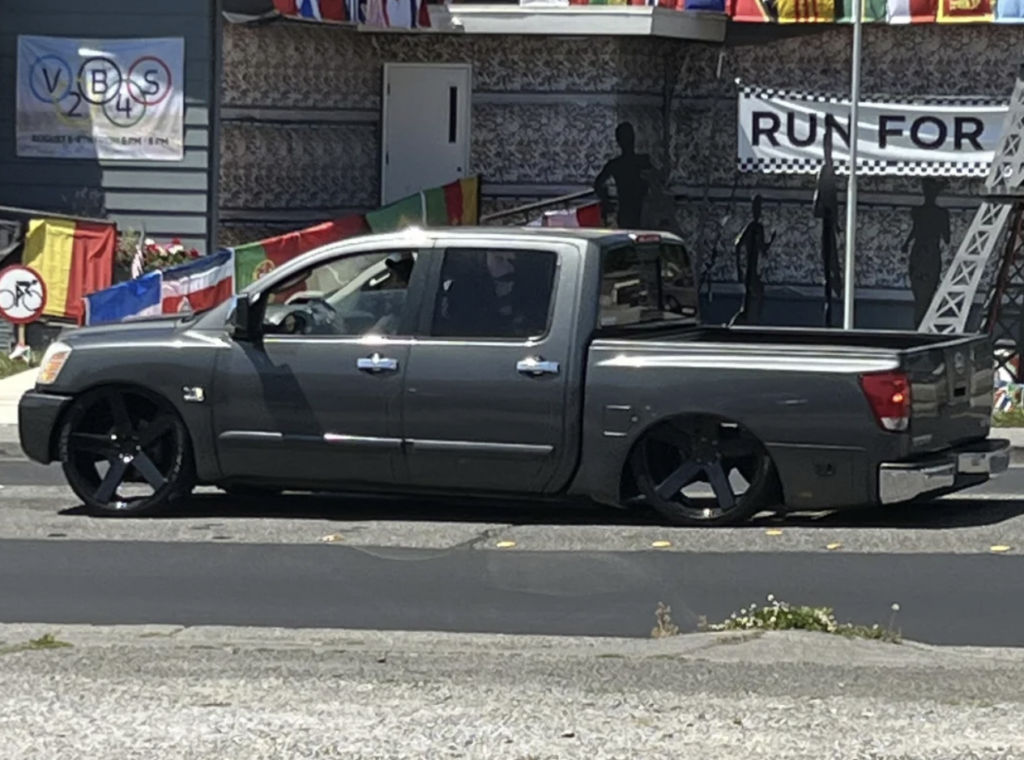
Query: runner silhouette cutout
x=929, y=232
x=627, y=171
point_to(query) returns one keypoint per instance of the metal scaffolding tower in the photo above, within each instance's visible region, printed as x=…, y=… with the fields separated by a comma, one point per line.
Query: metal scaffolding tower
x=1003, y=198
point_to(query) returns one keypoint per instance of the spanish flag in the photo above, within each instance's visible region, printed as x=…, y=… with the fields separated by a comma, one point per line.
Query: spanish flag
x=73, y=259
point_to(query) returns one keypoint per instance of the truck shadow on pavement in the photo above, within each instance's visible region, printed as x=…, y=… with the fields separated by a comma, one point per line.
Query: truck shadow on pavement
x=935, y=515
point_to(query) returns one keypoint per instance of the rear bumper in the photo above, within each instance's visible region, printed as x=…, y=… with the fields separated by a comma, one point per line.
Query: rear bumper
x=960, y=467
x=38, y=415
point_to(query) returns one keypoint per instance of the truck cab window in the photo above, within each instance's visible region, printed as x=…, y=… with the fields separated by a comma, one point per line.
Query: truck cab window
x=494, y=293
x=646, y=282
x=347, y=297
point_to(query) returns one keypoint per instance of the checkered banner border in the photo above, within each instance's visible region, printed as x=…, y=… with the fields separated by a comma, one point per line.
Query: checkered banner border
x=768, y=93
x=867, y=167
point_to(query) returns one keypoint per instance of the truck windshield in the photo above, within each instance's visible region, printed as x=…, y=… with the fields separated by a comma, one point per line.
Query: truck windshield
x=646, y=282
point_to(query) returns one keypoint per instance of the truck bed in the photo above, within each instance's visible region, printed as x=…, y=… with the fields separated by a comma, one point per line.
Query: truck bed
x=951, y=377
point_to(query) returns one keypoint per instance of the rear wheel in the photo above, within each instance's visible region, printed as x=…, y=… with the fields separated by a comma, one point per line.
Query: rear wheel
x=704, y=472
x=125, y=452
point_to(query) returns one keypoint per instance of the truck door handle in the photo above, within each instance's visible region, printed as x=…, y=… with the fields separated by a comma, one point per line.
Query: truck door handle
x=535, y=366
x=377, y=363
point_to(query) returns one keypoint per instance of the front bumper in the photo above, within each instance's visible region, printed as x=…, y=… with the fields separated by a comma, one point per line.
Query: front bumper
x=38, y=416
x=959, y=467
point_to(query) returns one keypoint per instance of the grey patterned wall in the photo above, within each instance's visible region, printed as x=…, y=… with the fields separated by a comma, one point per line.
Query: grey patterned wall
x=302, y=140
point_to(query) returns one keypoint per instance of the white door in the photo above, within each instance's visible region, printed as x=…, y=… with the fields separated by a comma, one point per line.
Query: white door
x=425, y=127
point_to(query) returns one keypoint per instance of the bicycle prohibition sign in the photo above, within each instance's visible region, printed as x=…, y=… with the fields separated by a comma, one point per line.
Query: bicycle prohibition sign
x=22, y=294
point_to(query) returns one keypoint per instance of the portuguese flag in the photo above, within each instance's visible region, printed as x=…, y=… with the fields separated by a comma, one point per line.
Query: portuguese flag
x=253, y=260
x=456, y=203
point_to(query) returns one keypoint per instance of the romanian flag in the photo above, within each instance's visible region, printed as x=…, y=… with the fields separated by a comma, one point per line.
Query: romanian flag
x=254, y=260
x=454, y=204
x=73, y=259
x=966, y=11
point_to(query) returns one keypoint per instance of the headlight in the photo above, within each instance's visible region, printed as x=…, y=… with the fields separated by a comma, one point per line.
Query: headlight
x=53, y=362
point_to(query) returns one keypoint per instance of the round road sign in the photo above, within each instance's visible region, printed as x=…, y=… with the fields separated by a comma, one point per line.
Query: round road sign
x=22, y=294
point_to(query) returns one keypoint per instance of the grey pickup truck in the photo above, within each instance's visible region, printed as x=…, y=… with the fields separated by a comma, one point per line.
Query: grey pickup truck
x=535, y=364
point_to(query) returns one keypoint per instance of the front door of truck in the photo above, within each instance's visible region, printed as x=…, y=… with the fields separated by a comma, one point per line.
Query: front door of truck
x=487, y=384
x=316, y=401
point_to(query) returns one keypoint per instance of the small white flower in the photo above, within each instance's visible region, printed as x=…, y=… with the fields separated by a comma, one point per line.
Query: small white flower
x=771, y=597
x=895, y=607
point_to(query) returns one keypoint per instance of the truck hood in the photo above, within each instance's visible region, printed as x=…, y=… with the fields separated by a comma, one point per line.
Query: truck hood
x=145, y=330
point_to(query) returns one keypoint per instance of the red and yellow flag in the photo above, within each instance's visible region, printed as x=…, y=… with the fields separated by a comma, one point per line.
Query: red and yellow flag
x=806, y=11
x=966, y=11
x=73, y=259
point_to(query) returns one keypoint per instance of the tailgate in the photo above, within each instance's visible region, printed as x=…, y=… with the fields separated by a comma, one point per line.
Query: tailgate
x=951, y=391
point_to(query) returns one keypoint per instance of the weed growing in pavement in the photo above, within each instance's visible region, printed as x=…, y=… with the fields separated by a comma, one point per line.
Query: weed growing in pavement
x=46, y=641
x=780, y=616
x=663, y=627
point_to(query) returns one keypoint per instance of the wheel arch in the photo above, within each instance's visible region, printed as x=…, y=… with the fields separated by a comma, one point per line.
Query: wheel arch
x=626, y=480
x=185, y=413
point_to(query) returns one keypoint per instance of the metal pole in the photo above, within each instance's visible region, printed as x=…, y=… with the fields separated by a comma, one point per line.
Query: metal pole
x=849, y=270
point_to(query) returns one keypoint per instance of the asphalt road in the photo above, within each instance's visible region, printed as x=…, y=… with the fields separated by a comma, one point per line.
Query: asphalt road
x=562, y=571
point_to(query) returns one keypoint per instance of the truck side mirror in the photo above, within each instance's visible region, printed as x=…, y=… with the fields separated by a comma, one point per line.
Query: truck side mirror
x=243, y=319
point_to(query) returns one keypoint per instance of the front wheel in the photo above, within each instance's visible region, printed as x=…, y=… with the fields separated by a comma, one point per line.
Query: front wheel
x=125, y=452
x=703, y=472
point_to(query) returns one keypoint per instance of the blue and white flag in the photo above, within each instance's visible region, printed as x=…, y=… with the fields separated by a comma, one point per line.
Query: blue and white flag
x=140, y=297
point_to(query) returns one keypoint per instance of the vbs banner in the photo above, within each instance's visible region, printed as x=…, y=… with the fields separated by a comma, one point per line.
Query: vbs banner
x=101, y=99
x=783, y=132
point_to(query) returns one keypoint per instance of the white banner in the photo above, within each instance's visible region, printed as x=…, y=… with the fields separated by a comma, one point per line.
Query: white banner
x=101, y=99
x=782, y=133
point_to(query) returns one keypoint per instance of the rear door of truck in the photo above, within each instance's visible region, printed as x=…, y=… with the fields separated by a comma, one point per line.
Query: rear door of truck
x=951, y=389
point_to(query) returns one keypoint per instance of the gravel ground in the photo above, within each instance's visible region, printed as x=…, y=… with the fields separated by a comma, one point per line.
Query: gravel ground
x=244, y=693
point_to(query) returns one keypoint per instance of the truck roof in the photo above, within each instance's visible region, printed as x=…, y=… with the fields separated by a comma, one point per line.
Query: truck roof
x=572, y=233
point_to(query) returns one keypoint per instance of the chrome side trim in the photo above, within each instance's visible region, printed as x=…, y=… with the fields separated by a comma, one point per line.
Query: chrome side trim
x=362, y=441
x=481, y=447
x=250, y=435
x=898, y=483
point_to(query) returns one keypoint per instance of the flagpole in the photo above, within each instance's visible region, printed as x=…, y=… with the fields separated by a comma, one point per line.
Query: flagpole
x=849, y=270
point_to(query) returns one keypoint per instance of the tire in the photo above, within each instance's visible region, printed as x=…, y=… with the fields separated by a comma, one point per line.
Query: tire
x=140, y=439
x=251, y=492
x=673, y=455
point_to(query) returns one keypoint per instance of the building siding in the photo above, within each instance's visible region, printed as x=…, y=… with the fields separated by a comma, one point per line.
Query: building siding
x=165, y=199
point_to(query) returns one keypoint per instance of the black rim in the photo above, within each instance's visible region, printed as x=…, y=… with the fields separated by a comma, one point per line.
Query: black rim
x=707, y=471
x=123, y=449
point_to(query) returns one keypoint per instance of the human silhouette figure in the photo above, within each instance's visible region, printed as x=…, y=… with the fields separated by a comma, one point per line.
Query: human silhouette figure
x=751, y=246
x=826, y=208
x=930, y=230
x=627, y=170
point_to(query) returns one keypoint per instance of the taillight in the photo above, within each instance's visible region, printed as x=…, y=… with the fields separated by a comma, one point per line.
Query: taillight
x=888, y=393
